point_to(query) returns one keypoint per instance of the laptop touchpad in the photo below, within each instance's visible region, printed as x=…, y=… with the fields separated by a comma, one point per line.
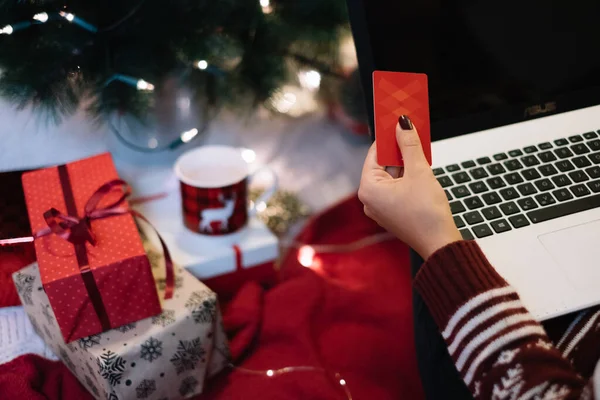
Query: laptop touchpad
x=577, y=251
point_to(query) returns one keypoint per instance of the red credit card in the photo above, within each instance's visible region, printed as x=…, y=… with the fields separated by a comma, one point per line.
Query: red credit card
x=396, y=94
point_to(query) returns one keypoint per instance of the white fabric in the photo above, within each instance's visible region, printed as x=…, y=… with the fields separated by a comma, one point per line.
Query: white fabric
x=17, y=336
x=471, y=304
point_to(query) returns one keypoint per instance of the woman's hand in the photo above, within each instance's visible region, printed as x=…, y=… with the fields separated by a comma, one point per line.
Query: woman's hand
x=412, y=207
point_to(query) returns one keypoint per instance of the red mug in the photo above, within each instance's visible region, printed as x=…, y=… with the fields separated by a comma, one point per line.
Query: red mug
x=214, y=190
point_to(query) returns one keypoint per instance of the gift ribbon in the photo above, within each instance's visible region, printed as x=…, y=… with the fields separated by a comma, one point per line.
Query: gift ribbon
x=238, y=257
x=78, y=230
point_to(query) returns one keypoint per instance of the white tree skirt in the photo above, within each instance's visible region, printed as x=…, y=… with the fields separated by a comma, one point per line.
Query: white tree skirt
x=311, y=155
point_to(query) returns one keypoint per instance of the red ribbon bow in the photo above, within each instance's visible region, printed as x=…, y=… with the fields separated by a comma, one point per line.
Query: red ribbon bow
x=78, y=230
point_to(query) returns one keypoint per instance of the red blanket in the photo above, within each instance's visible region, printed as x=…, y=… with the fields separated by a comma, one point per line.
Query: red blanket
x=351, y=315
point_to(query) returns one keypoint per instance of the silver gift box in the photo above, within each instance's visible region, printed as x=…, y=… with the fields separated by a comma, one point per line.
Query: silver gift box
x=169, y=356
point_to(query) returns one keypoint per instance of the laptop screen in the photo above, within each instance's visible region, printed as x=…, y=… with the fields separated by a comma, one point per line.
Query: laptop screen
x=489, y=63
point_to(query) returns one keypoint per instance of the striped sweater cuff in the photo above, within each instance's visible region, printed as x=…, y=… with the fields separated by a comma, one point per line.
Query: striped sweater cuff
x=452, y=276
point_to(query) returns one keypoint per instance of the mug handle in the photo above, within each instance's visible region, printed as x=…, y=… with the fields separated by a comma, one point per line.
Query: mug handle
x=268, y=193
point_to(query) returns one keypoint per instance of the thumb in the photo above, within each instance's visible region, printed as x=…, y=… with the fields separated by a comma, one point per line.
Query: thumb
x=410, y=144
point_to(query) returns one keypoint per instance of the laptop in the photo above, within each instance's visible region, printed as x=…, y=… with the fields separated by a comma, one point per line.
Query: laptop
x=515, y=116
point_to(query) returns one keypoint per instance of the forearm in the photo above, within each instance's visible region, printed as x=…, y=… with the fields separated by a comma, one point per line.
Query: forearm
x=497, y=347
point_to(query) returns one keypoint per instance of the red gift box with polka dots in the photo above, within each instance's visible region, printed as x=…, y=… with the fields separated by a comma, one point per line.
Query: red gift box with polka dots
x=122, y=276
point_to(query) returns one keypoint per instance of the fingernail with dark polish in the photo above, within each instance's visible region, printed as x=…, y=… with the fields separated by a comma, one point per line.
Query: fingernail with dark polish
x=405, y=123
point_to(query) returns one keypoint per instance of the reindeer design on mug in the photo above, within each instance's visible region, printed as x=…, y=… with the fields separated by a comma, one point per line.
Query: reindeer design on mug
x=220, y=215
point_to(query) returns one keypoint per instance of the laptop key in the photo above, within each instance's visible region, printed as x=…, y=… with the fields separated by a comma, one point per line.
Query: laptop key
x=581, y=162
x=496, y=169
x=531, y=174
x=509, y=193
x=491, y=213
x=448, y=195
x=478, y=173
x=545, y=146
x=526, y=189
x=575, y=139
x=513, y=178
x=468, y=164
x=594, y=186
x=452, y=168
x=519, y=221
x=473, y=202
x=580, y=148
x=478, y=187
x=496, y=182
x=458, y=221
x=457, y=207
x=483, y=160
x=461, y=177
x=563, y=152
x=530, y=149
x=527, y=203
x=561, y=180
x=548, y=170
x=466, y=234
x=578, y=176
x=500, y=226
x=544, y=185
x=509, y=208
x=491, y=198
x=547, y=156
x=594, y=172
x=562, y=194
x=500, y=156
x=530, y=161
x=561, y=142
x=580, y=190
x=513, y=165
x=482, y=231
x=594, y=145
x=460, y=191
x=590, y=135
x=545, y=199
x=473, y=217
x=564, y=166
x=595, y=158
x=445, y=181
x=515, y=153
x=563, y=209
x=438, y=171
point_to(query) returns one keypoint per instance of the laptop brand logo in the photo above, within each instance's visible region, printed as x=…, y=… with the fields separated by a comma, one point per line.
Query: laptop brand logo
x=540, y=109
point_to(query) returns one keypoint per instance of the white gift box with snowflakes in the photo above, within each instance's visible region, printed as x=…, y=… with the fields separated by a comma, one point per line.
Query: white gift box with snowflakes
x=169, y=356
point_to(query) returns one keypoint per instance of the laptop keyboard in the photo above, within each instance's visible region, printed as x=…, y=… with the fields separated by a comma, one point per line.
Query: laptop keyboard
x=493, y=195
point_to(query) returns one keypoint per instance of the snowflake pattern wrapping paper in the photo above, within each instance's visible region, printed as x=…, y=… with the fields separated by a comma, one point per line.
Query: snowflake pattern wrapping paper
x=168, y=356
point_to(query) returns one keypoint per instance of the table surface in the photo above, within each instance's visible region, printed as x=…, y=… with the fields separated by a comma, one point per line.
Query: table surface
x=311, y=155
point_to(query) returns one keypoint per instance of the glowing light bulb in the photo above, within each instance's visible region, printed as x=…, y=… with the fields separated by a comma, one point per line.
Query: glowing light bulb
x=202, y=64
x=7, y=30
x=342, y=382
x=42, y=17
x=248, y=155
x=266, y=6
x=306, y=256
x=68, y=16
x=270, y=373
x=152, y=143
x=143, y=85
x=262, y=206
x=189, y=135
x=310, y=80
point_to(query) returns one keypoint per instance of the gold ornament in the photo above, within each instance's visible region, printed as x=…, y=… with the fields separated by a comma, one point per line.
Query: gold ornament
x=283, y=210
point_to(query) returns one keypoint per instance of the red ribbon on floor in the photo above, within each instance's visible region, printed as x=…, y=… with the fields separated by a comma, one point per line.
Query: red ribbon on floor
x=78, y=230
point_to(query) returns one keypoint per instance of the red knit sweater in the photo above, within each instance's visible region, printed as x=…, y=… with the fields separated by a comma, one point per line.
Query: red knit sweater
x=500, y=351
